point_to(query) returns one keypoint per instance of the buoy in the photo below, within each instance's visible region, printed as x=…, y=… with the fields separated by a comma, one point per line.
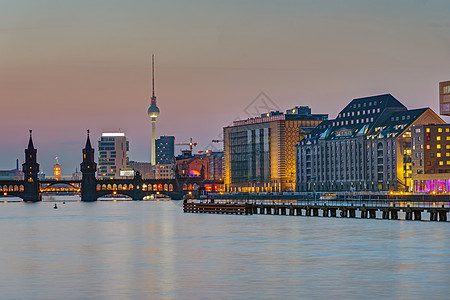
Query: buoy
x=55, y=207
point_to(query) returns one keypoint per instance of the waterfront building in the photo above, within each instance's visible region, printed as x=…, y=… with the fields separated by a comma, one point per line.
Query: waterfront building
x=193, y=166
x=144, y=168
x=113, y=155
x=11, y=174
x=259, y=153
x=431, y=158
x=165, y=149
x=366, y=148
x=444, y=98
x=215, y=170
x=165, y=171
x=153, y=113
x=14, y=174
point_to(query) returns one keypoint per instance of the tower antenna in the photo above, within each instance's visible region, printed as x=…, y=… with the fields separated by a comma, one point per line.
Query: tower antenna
x=153, y=77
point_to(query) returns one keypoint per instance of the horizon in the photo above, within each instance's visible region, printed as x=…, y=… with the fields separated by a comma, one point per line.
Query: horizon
x=69, y=67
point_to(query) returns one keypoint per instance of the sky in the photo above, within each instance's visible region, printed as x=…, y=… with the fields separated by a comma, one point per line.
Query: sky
x=68, y=66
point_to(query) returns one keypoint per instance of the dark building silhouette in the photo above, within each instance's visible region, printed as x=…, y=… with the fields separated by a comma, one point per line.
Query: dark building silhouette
x=165, y=149
x=31, y=170
x=88, y=169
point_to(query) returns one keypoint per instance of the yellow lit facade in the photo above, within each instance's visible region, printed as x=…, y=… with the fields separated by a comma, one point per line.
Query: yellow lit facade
x=259, y=153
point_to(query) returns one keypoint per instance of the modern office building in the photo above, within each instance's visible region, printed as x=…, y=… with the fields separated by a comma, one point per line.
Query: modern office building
x=366, y=148
x=444, y=98
x=113, y=155
x=165, y=149
x=431, y=158
x=259, y=153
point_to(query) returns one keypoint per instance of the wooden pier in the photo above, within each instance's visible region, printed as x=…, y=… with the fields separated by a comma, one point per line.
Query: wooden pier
x=343, y=210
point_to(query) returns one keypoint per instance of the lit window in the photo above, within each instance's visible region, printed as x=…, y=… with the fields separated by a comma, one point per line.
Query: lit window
x=428, y=146
x=447, y=129
x=428, y=129
x=438, y=154
x=447, y=154
x=438, y=146
x=448, y=162
x=441, y=163
x=438, y=138
x=439, y=129
x=448, y=138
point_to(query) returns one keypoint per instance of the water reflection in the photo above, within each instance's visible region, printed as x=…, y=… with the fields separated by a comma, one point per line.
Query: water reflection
x=105, y=250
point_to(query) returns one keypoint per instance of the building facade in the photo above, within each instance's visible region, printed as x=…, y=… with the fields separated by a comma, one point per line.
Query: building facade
x=259, y=153
x=165, y=171
x=444, y=98
x=431, y=158
x=366, y=148
x=113, y=155
x=165, y=149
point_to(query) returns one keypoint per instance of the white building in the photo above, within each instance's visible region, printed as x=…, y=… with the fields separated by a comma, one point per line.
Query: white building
x=113, y=155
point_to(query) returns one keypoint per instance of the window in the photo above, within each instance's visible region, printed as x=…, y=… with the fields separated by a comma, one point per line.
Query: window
x=439, y=129
x=438, y=154
x=428, y=130
x=417, y=130
x=441, y=163
x=448, y=162
x=447, y=154
x=438, y=146
x=438, y=138
x=428, y=147
x=447, y=129
x=447, y=138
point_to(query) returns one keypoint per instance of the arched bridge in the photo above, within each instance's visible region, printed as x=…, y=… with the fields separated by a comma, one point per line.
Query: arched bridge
x=91, y=188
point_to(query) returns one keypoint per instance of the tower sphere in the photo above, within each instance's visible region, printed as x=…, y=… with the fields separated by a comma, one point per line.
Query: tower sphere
x=153, y=111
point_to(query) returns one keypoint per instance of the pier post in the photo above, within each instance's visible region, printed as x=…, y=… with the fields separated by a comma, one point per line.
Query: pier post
x=315, y=210
x=333, y=212
x=394, y=214
x=418, y=215
x=283, y=210
x=385, y=213
x=324, y=211
x=299, y=210
x=373, y=213
x=308, y=211
x=442, y=215
x=343, y=212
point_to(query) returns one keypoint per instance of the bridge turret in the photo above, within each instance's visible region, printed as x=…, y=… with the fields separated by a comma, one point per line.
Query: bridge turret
x=88, y=169
x=30, y=170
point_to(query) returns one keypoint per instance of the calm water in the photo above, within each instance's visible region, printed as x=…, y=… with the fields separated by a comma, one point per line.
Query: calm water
x=151, y=250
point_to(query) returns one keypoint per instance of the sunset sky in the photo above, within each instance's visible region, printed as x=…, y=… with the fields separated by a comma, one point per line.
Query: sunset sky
x=69, y=66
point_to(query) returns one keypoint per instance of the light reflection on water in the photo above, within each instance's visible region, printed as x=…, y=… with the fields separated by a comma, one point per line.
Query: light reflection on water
x=117, y=250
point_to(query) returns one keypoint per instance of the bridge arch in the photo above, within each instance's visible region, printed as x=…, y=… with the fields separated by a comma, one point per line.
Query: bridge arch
x=170, y=187
x=166, y=187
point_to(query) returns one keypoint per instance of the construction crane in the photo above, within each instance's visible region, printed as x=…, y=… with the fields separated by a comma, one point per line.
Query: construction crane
x=191, y=144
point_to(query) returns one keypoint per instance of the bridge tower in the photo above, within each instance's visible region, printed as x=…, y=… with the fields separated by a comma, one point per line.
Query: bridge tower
x=30, y=170
x=88, y=169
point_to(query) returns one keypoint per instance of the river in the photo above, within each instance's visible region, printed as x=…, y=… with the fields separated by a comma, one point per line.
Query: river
x=152, y=250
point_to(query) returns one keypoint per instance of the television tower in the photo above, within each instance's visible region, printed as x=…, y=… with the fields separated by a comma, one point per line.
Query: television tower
x=153, y=112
